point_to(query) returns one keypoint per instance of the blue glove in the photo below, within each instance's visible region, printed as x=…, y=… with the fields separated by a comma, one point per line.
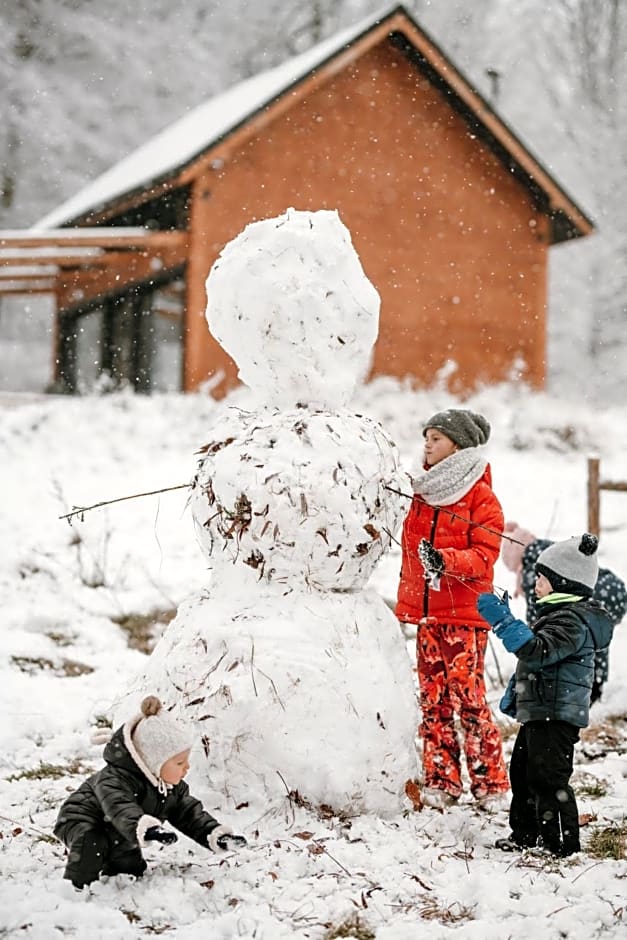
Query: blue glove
x=513, y=633
x=493, y=609
x=508, y=702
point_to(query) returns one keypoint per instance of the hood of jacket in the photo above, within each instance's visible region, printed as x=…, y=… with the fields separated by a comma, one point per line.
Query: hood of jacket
x=600, y=623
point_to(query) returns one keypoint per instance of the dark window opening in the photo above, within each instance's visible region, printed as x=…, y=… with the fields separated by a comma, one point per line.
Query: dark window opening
x=167, y=212
x=134, y=340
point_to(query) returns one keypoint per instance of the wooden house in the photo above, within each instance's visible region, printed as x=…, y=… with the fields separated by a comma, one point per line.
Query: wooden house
x=450, y=213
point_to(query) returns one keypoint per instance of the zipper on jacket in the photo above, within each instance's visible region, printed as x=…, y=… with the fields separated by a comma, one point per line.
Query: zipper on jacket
x=425, y=596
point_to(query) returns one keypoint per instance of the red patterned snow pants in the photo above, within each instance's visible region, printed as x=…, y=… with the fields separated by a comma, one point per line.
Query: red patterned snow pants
x=450, y=673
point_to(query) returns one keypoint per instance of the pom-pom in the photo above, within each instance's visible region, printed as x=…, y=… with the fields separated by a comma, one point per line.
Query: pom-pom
x=151, y=705
x=588, y=544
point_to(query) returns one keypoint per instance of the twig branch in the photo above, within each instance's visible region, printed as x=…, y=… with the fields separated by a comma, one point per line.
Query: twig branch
x=333, y=859
x=264, y=674
x=290, y=802
x=252, y=669
x=586, y=870
x=81, y=510
x=496, y=661
x=391, y=536
x=456, y=515
x=287, y=789
x=40, y=833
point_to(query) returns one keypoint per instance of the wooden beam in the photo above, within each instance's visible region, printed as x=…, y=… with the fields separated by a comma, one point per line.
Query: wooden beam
x=13, y=260
x=28, y=274
x=95, y=238
x=85, y=231
x=80, y=287
x=31, y=287
x=86, y=261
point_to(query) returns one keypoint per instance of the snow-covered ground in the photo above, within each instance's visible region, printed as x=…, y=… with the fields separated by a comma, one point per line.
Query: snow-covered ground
x=76, y=597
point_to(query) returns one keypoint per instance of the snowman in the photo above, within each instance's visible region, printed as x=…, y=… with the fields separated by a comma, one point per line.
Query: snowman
x=294, y=673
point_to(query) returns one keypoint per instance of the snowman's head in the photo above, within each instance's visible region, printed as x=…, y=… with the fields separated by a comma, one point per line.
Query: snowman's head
x=290, y=303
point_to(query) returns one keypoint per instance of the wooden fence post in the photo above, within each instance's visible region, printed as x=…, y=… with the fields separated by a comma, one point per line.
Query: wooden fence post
x=594, y=500
x=595, y=485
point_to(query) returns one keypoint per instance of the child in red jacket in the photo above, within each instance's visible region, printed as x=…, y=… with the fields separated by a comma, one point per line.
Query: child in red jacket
x=451, y=539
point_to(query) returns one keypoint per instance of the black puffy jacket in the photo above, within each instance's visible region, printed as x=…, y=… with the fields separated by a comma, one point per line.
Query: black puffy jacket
x=555, y=669
x=124, y=800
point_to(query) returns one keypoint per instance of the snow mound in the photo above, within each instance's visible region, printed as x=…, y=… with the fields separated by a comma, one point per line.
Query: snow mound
x=309, y=693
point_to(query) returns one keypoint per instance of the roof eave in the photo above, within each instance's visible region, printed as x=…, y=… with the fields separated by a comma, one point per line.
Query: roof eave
x=163, y=181
x=568, y=220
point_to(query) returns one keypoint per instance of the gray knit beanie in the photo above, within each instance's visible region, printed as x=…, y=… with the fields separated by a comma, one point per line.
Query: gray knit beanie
x=571, y=566
x=158, y=736
x=465, y=428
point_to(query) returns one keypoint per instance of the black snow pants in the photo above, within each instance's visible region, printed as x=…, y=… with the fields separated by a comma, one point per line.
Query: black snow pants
x=95, y=851
x=544, y=809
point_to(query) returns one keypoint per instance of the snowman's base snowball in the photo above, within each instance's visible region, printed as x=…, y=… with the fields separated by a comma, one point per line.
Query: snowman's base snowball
x=314, y=694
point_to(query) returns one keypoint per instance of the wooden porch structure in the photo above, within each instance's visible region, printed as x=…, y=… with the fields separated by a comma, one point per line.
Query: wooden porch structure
x=88, y=267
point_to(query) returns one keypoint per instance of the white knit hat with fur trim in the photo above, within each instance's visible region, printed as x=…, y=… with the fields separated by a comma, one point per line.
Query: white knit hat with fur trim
x=158, y=736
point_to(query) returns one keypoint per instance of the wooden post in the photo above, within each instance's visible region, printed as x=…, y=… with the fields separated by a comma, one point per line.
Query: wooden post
x=594, y=497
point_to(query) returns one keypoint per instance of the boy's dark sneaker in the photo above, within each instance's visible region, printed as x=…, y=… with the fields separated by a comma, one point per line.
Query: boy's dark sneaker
x=511, y=844
x=507, y=845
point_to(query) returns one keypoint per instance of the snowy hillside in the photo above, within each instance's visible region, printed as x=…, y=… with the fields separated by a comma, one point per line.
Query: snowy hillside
x=84, y=603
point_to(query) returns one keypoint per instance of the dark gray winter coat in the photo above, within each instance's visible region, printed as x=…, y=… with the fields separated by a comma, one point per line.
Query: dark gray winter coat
x=123, y=800
x=610, y=591
x=555, y=669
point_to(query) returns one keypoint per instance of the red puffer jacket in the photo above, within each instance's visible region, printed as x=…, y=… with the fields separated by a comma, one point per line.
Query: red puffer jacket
x=469, y=553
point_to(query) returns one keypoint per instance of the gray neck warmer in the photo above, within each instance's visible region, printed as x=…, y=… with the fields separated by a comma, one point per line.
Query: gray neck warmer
x=450, y=479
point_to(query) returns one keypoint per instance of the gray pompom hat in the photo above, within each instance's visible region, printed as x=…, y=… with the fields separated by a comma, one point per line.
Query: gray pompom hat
x=465, y=428
x=572, y=566
x=157, y=736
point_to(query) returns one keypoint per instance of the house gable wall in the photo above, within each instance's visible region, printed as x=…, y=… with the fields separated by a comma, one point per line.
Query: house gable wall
x=453, y=243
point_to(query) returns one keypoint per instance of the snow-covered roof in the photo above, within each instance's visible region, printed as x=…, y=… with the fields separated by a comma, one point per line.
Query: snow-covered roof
x=188, y=137
x=160, y=158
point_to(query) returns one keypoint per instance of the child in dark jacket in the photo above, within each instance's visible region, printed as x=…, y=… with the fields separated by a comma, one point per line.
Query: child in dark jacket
x=521, y=555
x=550, y=691
x=124, y=805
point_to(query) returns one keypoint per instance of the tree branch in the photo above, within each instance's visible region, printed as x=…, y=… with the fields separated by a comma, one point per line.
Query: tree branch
x=81, y=510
